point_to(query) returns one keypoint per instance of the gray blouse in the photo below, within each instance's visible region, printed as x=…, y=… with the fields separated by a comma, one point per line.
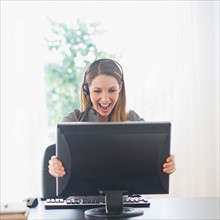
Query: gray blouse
x=92, y=116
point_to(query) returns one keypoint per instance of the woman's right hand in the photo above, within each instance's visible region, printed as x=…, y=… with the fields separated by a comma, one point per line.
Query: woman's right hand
x=56, y=168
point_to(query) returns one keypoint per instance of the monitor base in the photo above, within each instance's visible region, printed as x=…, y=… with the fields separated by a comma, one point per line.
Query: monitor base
x=101, y=212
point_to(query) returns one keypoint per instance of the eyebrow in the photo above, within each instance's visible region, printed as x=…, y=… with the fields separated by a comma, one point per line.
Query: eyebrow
x=113, y=87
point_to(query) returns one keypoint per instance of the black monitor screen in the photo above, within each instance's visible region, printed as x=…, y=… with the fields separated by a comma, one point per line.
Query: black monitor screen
x=126, y=156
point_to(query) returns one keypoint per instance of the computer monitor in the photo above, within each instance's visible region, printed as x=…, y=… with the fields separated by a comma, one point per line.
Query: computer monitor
x=114, y=158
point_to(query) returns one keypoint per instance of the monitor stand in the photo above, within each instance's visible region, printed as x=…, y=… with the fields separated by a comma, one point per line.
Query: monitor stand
x=113, y=207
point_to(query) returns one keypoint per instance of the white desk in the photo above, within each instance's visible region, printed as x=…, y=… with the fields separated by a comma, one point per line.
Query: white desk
x=161, y=208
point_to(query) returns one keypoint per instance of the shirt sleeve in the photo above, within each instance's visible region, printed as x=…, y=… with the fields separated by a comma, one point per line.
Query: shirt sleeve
x=73, y=116
x=133, y=116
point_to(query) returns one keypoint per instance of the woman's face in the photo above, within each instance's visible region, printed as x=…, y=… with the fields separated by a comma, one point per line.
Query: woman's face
x=104, y=92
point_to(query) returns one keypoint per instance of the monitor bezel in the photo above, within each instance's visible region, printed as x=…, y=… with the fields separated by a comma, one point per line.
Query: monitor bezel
x=88, y=127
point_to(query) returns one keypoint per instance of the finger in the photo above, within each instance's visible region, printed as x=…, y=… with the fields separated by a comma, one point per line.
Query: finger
x=169, y=169
x=54, y=174
x=55, y=168
x=60, y=172
x=55, y=161
x=169, y=164
x=170, y=158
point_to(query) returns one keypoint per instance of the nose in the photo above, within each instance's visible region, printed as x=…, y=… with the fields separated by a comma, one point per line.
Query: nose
x=105, y=97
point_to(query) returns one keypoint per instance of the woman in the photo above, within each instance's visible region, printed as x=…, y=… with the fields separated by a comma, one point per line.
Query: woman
x=103, y=99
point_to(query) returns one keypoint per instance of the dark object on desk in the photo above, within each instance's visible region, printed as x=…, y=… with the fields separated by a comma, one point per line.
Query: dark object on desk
x=31, y=202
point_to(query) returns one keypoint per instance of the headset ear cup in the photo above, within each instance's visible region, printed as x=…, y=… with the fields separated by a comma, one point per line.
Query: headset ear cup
x=86, y=89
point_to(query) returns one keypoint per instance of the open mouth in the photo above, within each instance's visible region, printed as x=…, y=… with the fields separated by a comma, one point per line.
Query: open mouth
x=104, y=107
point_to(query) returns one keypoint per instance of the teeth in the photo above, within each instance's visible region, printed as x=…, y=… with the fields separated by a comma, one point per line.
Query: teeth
x=104, y=105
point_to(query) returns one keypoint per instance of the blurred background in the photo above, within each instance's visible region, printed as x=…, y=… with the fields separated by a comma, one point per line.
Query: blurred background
x=169, y=51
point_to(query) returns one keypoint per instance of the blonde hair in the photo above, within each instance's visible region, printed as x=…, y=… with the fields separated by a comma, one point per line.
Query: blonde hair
x=107, y=67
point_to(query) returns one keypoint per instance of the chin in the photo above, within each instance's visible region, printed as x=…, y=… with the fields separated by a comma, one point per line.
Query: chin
x=104, y=113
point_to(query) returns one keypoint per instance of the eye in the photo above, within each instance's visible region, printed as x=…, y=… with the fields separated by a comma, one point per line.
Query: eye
x=112, y=90
x=96, y=91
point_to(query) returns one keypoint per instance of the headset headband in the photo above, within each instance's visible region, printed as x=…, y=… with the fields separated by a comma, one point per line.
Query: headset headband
x=105, y=59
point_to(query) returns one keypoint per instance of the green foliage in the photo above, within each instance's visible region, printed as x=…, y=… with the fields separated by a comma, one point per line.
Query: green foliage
x=75, y=49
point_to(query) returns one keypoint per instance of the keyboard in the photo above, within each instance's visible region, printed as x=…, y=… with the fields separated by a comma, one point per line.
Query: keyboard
x=92, y=202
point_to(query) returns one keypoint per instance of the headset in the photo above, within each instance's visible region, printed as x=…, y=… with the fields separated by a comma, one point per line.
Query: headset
x=85, y=86
x=85, y=89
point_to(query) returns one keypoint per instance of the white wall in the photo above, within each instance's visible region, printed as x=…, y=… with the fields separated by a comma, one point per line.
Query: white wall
x=170, y=54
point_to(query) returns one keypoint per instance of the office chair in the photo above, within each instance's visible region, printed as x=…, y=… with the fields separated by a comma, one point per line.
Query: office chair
x=48, y=181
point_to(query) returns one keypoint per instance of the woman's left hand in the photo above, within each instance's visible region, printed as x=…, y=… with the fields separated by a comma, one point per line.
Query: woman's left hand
x=169, y=166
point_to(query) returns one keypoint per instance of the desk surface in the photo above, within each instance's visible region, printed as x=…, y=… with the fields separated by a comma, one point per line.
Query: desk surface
x=161, y=208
